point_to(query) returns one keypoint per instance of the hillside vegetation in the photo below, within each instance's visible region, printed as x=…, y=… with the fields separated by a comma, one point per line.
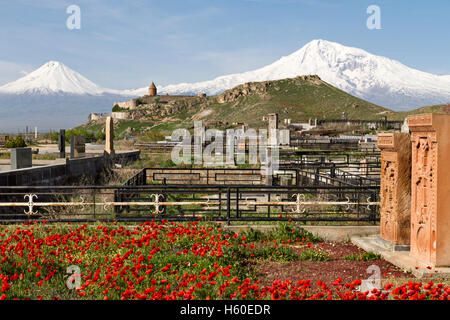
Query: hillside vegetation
x=298, y=99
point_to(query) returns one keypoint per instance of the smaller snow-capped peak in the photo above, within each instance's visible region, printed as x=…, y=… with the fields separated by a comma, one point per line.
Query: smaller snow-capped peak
x=53, y=77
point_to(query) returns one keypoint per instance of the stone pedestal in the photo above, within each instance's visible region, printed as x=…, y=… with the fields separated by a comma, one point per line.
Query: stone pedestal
x=430, y=188
x=395, y=188
x=77, y=147
x=109, y=139
x=21, y=158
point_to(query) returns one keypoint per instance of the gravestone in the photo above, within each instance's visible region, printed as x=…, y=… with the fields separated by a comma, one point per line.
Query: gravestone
x=109, y=139
x=405, y=127
x=21, y=158
x=273, y=129
x=77, y=147
x=364, y=167
x=285, y=180
x=285, y=138
x=62, y=143
x=430, y=188
x=395, y=187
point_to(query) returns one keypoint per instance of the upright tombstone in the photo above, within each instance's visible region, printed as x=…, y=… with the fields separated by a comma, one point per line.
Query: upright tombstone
x=21, y=158
x=284, y=137
x=109, y=139
x=430, y=188
x=273, y=129
x=395, y=187
x=77, y=147
x=62, y=143
x=364, y=167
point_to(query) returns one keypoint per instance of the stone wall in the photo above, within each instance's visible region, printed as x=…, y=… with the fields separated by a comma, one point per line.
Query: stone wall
x=98, y=116
x=61, y=173
x=121, y=115
x=130, y=104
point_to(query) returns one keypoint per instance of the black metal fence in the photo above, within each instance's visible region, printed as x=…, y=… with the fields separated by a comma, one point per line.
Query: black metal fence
x=136, y=202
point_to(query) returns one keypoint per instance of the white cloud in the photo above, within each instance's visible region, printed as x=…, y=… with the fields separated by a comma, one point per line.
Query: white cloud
x=232, y=61
x=10, y=71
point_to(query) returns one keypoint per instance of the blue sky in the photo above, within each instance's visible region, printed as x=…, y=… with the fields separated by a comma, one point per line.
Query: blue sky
x=127, y=44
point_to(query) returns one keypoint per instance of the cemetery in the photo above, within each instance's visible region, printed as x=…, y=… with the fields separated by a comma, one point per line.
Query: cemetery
x=311, y=228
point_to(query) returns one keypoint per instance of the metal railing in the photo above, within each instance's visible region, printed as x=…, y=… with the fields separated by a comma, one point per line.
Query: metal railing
x=190, y=202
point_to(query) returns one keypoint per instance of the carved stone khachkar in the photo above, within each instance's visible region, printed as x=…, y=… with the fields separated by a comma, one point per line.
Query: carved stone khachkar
x=395, y=188
x=109, y=139
x=430, y=188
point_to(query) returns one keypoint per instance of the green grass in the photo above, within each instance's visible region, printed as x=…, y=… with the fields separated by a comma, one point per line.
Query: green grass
x=367, y=256
x=313, y=255
x=45, y=156
x=286, y=230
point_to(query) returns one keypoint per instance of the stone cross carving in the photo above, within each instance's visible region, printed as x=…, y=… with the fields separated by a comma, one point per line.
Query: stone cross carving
x=430, y=193
x=395, y=188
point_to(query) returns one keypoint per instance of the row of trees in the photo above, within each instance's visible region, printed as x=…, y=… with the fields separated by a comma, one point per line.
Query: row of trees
x=88, y=135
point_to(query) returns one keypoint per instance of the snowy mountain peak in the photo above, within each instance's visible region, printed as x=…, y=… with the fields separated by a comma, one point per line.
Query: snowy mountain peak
x=53, y=78
x=377, y=79
x=53, y=64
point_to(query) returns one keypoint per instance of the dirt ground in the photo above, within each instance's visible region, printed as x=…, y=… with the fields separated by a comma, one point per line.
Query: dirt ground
x=326, y=271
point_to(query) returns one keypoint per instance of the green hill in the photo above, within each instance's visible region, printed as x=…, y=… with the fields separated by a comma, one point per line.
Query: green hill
x=297, y=99
x=441, y=108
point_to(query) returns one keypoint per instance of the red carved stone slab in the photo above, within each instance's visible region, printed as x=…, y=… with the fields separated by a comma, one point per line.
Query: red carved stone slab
x=395, y=187
x=430, y=188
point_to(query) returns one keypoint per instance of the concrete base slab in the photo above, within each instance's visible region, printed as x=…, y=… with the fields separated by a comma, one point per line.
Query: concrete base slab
x=327, y=233
x=242, y=228
x=390, y=246
x=342, y=233
x=401, y=259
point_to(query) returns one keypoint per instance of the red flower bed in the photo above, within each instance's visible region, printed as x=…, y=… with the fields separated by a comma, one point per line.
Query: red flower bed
x=160, y=260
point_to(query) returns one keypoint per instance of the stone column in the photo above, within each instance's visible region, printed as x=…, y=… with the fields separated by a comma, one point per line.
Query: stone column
x=109, y=139
x=395, y=188
x=62, y=143
x=430, y=188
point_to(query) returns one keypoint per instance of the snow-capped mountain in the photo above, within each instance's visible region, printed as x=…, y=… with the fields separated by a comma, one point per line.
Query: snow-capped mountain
x=54, y=78
x=377, y=79
x=53, y=96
